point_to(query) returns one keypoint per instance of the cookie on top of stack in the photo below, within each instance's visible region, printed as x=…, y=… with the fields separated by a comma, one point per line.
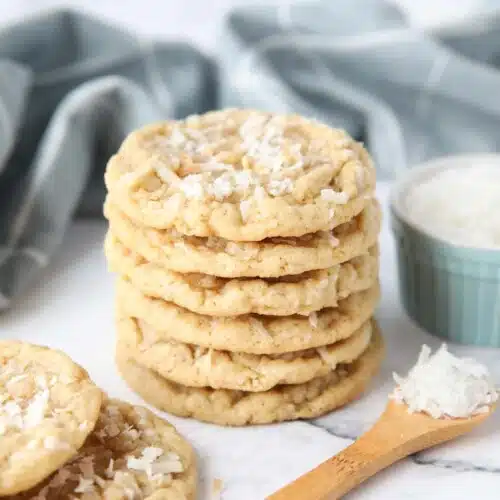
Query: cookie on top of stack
x=246, y=244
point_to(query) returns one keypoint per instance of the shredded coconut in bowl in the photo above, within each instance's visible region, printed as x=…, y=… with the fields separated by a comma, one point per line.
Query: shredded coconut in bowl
x=459, y=205
x=445, y=386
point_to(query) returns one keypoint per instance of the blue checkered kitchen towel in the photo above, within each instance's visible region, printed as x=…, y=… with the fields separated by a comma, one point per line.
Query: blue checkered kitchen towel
x=71, y=87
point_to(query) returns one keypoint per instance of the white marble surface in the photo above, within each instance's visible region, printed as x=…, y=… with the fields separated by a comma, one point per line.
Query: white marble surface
x=72, y=308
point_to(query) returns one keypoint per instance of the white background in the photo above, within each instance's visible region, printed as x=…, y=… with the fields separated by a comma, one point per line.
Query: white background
x=199, y=20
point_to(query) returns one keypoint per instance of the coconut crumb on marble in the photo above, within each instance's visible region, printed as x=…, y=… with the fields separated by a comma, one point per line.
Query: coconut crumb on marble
x=217, y=489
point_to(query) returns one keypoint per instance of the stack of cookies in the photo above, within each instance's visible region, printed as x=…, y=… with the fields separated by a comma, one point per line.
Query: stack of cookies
x=246, y=244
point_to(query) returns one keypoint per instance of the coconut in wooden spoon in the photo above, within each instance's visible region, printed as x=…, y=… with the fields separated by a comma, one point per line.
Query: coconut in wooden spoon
x=441, y=398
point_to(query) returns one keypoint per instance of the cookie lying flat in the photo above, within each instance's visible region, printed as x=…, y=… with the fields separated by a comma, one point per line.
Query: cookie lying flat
x=205, y=294
x=241, y=175
x=197, y=366
x=270, y=258
x=131, y=454
x=287, y=402
x=248, y=333
x=48, y=406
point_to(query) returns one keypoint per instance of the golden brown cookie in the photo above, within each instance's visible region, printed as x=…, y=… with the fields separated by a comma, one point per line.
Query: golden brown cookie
x=249, y=333
x=271, y=258
x=130, y=454
x=241, y=175
x=285, y=402
x=48, y=407
x=205, y=294
x=197, y=366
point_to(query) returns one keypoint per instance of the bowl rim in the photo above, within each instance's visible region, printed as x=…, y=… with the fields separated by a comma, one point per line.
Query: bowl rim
x=425, y=170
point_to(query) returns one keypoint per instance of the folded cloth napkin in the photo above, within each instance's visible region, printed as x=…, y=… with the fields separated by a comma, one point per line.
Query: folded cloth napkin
x=71, y=87
x=410, y=95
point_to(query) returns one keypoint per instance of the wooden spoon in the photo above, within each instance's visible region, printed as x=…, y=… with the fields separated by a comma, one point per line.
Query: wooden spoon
x=394, y=436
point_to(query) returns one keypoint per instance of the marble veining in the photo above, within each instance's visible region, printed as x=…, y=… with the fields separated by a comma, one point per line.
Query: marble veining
x=352, y=430
x=457, y=466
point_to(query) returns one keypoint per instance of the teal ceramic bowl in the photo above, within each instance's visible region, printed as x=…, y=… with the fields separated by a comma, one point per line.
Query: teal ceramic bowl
x=451, y=291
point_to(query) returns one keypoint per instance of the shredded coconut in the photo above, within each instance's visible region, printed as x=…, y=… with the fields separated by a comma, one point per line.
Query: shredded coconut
x=109, y=472
x=52, y=443
x=326, y=357
x=212, y=165
x=221, y=187
x=360, y=176
x=173, y=204
x=278, y=187
x=222, y=157
x=259, y=327
x=166, y=174
x=100, y=481
x=16, y=379
x=32, y=445
x=86, y=466
x=244, y=208
x=85, y=486
x=332, y=240
x=340, y=198
x=192, y=186
x=155, y=463
x=459, y=205
x=12, y=415
x=313, y=319
x=259, y=193
x=84, y=425
x=243, y=179
x=443, y=385
x=176, y=137
x=131, y=433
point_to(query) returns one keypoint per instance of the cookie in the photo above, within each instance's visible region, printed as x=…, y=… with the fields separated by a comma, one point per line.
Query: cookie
x=131, y=454
x=270, y=258
x=250, y=333
x=197, y=366
x=241, y=175
x=285, y=402
x=48, y=407
x=205, y=294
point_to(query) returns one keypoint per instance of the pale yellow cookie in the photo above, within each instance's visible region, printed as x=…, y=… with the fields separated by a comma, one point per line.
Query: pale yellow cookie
x=197, y=366
x=285, y=402
x=205, y=294
x=241, y=175
x=270, y=258
x=48, y=407
x=249, y=333
x=132, y=454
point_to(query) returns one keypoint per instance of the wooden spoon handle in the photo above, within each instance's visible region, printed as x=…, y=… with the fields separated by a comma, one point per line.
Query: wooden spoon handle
x=333, y=478
x=375, y=450
x=396, y=435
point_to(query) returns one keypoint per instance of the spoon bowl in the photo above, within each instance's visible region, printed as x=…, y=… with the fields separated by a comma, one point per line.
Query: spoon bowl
x=395, y=435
